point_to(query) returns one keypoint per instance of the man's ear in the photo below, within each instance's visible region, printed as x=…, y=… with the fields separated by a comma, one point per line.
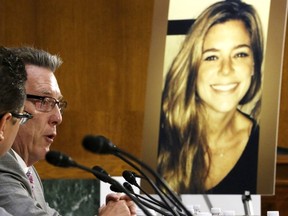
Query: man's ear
x=3, y=121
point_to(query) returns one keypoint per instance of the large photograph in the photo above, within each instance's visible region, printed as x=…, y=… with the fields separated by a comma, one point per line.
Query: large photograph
x=214, y=67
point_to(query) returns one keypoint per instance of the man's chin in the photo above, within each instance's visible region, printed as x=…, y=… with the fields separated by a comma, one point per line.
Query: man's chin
x=43, y=153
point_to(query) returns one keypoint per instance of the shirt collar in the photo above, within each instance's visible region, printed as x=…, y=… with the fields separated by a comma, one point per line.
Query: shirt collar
x=21, y=162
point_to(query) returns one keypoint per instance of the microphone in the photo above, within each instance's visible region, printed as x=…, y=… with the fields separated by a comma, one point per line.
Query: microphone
x=129, y=176
x=99, y=169
x=61, y=160
x=128, y=187
x=116, y=189
x=102, y=145
x=105, y=146
x=99, y=144
x=113, y=187
x=58, y=159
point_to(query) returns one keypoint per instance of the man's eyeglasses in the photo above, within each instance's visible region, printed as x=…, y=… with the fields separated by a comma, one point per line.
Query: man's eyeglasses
x=45, y=103
x=24, y=117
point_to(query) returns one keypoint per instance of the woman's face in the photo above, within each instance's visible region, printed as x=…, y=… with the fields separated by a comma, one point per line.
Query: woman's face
x=226, y=66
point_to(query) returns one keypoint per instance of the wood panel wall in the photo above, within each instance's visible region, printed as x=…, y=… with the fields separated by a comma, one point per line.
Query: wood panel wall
x=105, y=46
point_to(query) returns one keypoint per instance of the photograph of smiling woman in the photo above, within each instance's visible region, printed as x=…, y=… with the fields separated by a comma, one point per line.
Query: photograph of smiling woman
x=209, y=134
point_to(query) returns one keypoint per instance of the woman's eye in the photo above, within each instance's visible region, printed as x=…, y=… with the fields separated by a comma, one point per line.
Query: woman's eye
x=241, y=55
x=211, y=58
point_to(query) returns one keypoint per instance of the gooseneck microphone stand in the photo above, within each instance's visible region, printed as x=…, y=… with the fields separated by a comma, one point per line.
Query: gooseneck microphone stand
x=61, y=160
x=102, y=145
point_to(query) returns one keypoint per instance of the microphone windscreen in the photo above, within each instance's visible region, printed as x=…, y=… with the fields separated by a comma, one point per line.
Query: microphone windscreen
x=59, y=159
x=128, y=187
x=100, y=169
x=101, y=174
x=116, y=189
x=129, y=177
x=98, y=144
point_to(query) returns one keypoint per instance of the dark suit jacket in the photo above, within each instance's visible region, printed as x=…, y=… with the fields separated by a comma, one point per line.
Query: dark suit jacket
x=16, y=195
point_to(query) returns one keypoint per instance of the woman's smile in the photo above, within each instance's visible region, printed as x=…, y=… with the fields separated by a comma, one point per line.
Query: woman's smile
x=224, y=88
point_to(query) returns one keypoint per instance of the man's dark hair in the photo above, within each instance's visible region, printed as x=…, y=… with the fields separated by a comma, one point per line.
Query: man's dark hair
x=12, y=80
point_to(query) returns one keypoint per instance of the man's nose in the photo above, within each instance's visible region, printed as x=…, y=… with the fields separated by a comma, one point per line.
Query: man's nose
x=56, y=117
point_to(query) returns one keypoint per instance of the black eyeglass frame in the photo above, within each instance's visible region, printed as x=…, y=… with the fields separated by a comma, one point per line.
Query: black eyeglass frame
x=24, y=117
x=62, y=104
